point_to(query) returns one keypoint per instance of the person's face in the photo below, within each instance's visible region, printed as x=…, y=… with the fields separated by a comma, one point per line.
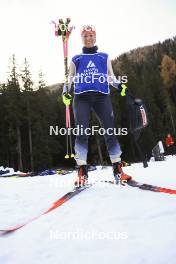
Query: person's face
x=88, y=39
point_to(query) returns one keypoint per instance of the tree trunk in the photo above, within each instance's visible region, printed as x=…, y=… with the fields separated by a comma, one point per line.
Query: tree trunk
x=30, y=137
x=172, y=119
x=20, y=164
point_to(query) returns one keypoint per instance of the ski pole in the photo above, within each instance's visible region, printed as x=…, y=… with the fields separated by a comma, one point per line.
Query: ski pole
x=62, y=29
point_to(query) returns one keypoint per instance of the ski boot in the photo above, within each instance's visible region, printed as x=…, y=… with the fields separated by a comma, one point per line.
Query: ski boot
x=82, y=178
x=119, y=175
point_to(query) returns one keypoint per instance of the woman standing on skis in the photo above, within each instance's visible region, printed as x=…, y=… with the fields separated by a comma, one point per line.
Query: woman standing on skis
x=91, y=72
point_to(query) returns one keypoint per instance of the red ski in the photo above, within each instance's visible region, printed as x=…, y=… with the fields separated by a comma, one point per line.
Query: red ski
x=55, y=205
x=76, y=191
x=144, y=186
x=149, y=187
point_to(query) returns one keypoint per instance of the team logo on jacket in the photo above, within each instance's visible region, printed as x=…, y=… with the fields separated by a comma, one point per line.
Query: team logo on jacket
x=91, y=64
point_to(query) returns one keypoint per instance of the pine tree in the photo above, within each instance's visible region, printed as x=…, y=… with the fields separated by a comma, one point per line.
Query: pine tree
x=41, y=83
x=27, y=95
x=14, y=114
x=168, y=75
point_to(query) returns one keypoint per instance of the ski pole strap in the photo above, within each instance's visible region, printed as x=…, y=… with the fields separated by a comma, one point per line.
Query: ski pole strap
x=62, y=28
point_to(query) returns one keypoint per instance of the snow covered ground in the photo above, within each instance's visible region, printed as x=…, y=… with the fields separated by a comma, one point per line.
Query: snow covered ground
x=103, y=224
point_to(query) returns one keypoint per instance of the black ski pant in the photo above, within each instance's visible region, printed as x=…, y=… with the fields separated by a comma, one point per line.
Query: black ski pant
x=101, y=104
